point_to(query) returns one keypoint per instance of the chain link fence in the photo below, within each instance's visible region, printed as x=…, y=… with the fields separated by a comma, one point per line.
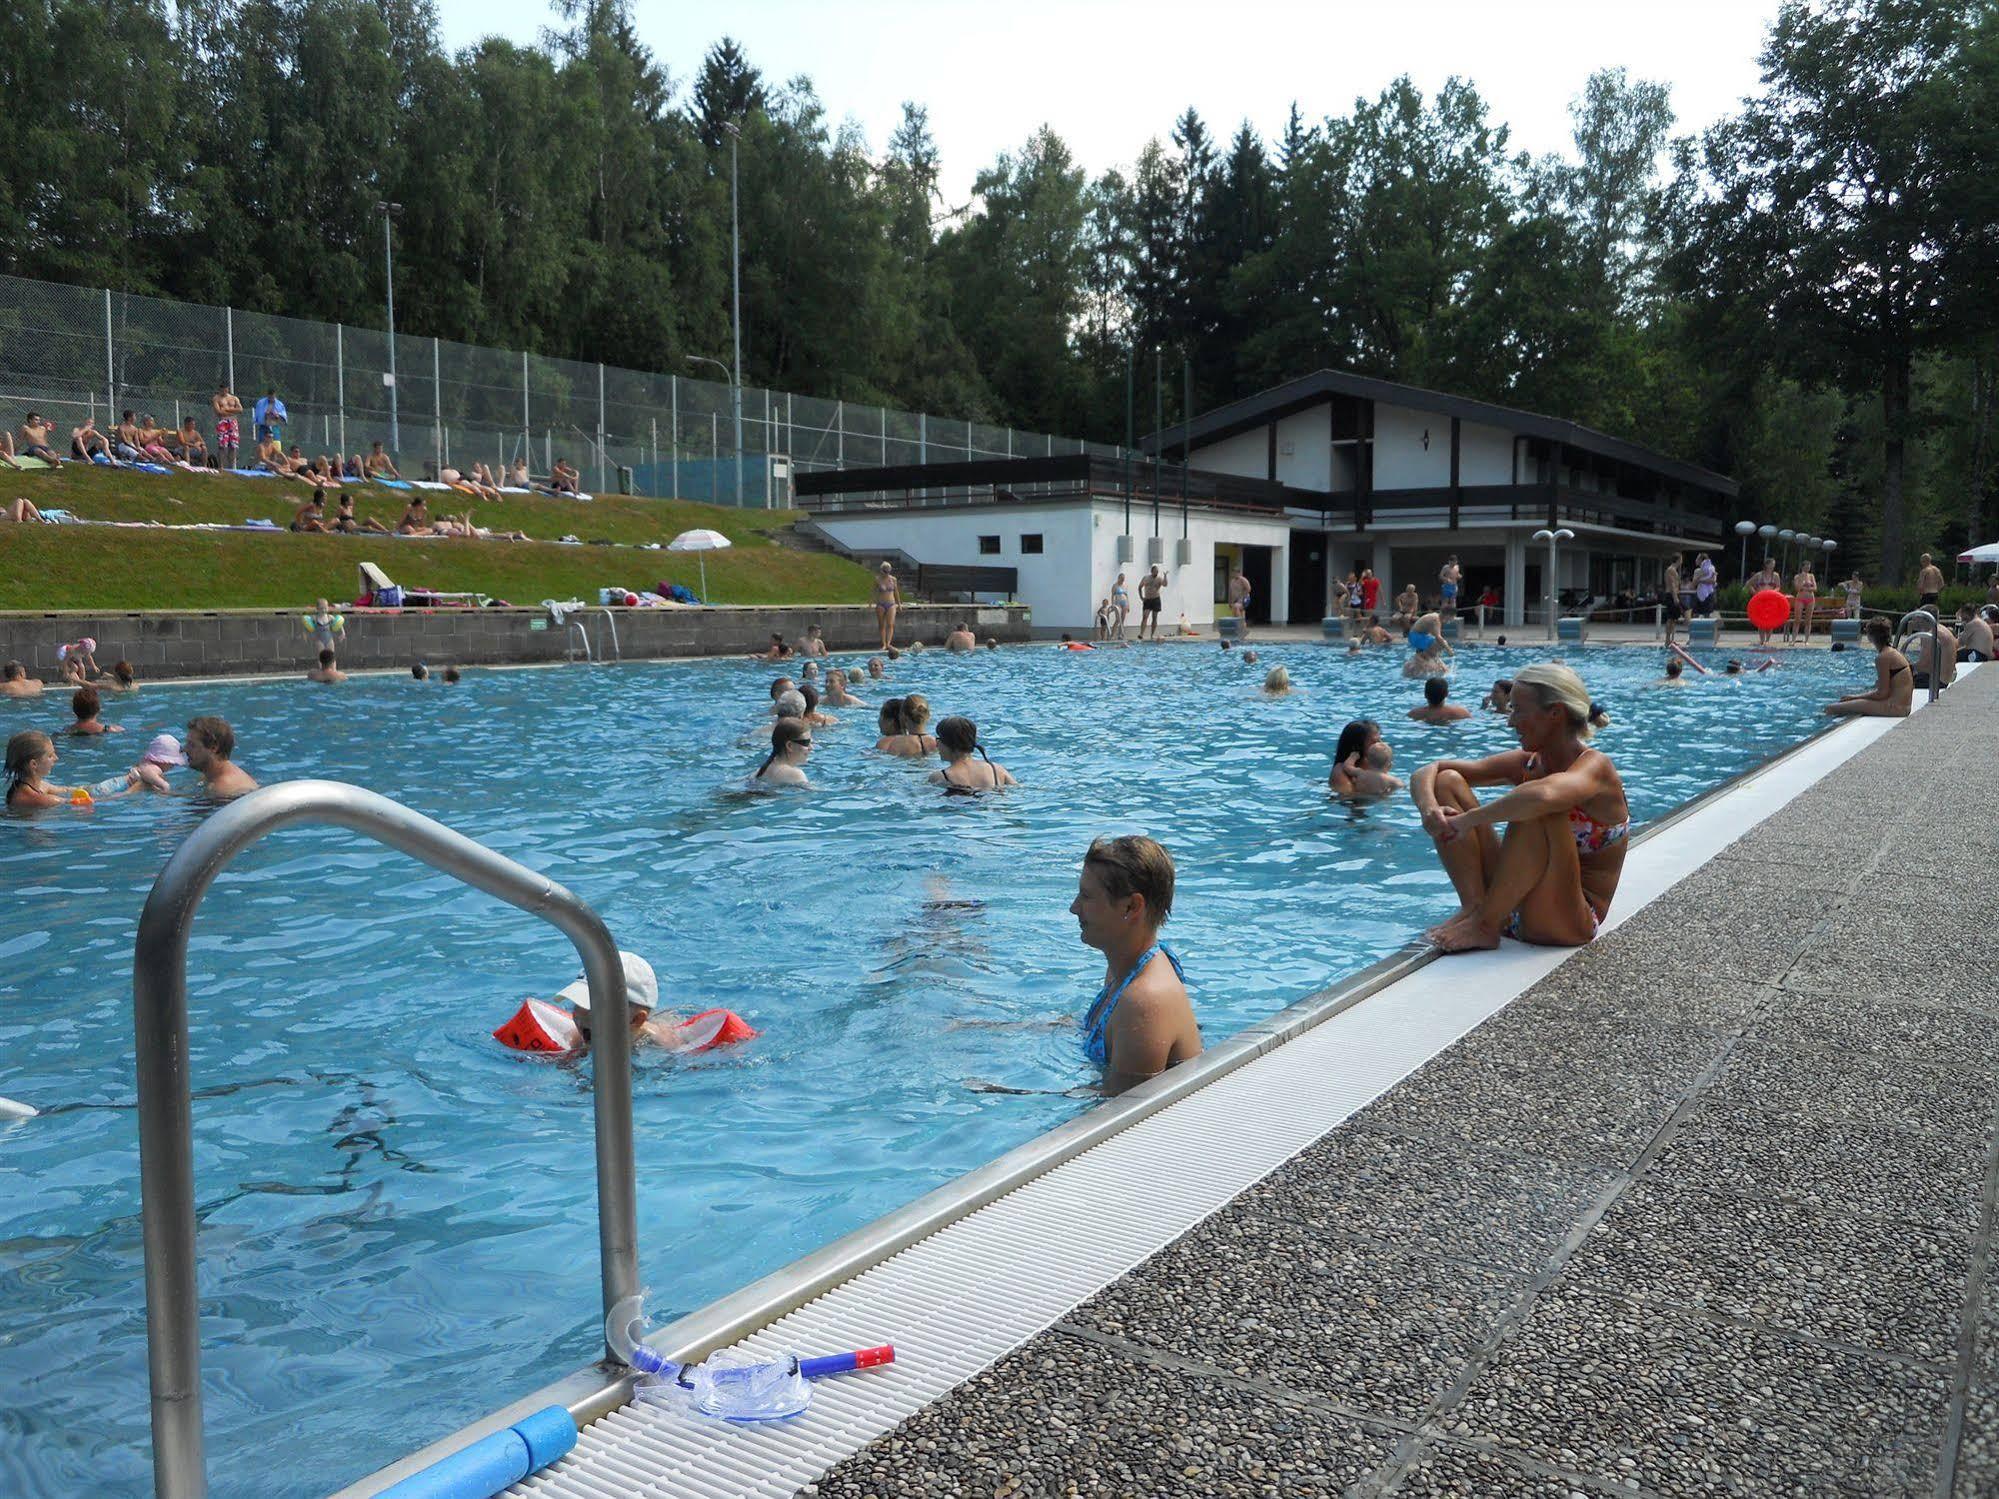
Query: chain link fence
x=71, y=352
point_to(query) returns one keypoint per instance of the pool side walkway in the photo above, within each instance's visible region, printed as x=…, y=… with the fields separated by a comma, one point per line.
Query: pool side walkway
x=1708, y=1210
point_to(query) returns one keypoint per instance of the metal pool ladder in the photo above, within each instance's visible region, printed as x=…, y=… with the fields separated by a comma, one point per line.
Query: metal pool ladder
x=166, y=1145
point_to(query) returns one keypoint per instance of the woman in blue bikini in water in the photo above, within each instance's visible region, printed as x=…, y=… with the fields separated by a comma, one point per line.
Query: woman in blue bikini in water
x=1551, y=879
x=1141, y=1021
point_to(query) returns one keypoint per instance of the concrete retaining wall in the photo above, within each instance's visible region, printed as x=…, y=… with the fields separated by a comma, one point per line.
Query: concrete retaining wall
x=242, y=642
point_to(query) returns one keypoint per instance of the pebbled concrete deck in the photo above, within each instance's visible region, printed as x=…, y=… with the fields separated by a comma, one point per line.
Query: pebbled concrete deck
x=1707, y=1211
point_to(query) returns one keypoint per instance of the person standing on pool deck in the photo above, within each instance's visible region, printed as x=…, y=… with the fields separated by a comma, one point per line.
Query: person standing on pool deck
x=1805, y=587
x=1894, y=691
x=1669, y=597
x=1239, y=592
x=1929, y=583
x=1370, y=591
x=1448, y=578
x=1426, y=639
x=1854, y=587
x=1141, y=1021
x=1550, y=881
x=1120, y=607
x=1706, y=581
x=210, y=744
x=1150, y=587
x=1764, y=577
x=888, y=599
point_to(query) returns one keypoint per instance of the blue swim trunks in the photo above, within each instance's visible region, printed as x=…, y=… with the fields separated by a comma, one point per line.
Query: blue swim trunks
x=1421, y=640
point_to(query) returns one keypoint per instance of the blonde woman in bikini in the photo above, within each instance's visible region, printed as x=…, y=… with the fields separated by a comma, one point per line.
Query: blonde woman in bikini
x=888, y=599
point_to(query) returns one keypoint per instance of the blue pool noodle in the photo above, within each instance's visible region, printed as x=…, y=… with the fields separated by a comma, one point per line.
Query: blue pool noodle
x=493, y=1463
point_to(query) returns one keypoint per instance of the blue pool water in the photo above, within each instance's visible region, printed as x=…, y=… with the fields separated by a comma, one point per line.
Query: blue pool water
x=397, y=1216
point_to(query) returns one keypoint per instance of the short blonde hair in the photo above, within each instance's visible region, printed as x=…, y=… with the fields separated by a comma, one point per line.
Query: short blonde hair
x=1274, y=679
x=1135, y=865
x=1555, y=684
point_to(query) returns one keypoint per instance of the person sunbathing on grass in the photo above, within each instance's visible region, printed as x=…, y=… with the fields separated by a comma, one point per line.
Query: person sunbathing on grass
x=311, y=515
x=416, y=519
x=193, y=446
x=380, y=465
x=349, y=523
x=153, y=442
x=35, y=434
x=1550, y=881
x=88, y=445
x=271, y=456
x=22, y=510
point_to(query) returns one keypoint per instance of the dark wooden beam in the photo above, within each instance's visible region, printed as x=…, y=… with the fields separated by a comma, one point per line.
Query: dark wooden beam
x=1457, y=478
x=1271, y=474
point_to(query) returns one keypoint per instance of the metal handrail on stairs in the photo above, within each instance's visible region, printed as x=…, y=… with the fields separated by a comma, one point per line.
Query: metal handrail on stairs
x=166, y=1140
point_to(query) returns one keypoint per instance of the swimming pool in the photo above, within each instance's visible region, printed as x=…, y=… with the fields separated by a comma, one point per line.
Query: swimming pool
x=397, y=1216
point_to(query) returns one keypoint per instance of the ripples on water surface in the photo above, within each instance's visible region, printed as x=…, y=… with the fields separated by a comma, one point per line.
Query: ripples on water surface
x=398, y=1217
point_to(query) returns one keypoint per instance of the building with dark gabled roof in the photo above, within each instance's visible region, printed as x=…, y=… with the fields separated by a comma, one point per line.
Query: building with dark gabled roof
x=1402, y=478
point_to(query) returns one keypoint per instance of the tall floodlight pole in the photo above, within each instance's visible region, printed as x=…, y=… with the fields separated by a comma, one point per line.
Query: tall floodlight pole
x=388, y=211
x=1128, y=440
x=736, y=297
x=1745, y=529
x=1158, y=427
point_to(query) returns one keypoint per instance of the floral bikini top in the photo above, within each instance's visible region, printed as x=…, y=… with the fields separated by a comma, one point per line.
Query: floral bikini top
x=1592, y=834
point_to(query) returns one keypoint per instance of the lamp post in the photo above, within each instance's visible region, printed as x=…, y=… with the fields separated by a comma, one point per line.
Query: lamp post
x=1768, y=534
x=736, y=299
x=1828, y=546
x=1552, y=538
x=1784, y=539
x=389, y=212
x=1744, y=529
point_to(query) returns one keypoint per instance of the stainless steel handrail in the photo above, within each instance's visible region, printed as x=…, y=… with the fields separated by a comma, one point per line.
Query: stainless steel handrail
x=583, y=635
x=611, y=619
x=166, y=1144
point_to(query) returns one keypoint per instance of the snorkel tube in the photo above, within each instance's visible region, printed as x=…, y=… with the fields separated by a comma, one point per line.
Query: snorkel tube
x=725, y=1386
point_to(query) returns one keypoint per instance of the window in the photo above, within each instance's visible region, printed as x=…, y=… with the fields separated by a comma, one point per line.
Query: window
x=989, y=546
x=1030, y=545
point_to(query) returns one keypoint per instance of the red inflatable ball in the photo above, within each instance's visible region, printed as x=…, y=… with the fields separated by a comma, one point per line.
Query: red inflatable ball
x=1768, y=609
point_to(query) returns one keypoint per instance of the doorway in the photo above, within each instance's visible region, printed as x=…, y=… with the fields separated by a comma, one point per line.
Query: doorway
x=1310, y=553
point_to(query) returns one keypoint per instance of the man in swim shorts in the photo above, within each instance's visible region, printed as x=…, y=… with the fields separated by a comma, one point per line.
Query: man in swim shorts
x=1448, y=578
x=1669, y=597
x=1929, y=583
x=227, y=408
x=1150, y=589
x=1239, y=592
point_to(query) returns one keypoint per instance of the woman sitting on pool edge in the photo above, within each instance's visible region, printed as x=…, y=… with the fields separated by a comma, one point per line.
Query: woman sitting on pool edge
x=1894, y=683
x=1141, y=1021
x=957, y=741
x=1551, y=879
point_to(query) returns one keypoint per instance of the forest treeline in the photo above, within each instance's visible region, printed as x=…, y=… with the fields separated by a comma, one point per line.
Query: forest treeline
x=1805, y=296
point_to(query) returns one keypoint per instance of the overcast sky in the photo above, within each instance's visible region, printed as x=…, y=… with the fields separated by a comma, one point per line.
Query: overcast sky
x=1110, y=74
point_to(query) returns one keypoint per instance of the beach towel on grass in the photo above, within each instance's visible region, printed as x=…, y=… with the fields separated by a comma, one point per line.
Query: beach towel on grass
x=60, y=518
x=427, y=484
x=255, y=523
x=395, y=484
x=30, y=464
x=250, y=473
x=149, y=468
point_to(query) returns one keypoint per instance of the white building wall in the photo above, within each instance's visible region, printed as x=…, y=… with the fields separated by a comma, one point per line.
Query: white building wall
x=1079, y=557
x=1246, y=455
x=1400, y=459
x=1485, y=455
x=1308, y=434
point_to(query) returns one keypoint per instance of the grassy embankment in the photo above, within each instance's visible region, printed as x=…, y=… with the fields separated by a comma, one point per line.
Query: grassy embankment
x=99, y=567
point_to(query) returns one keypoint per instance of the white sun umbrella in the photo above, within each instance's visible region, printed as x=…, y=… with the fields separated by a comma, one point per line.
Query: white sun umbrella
x=1987, y=553
x=700, y=541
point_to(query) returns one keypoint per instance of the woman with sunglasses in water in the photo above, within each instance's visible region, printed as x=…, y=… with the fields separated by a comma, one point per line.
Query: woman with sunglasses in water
x=790, y=748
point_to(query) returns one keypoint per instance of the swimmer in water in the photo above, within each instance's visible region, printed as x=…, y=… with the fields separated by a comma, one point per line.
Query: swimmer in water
x=1500, y=698
x=1436, y=709
x=902, y=720
x=1675, y=674
x=837, y=695
x=778, y=689
x=209, y=745
x=1373, y=778
x=957, y=742
x=1350, y=758
x=1426, y=640
x=121, y=678
x=87, y=706
x=1249, y=658
x=790, y=748
x=1141, y=1021
x=809, y=697
x=31, y=755
x=876, y=671
x=1276, y=682
x=327, y=672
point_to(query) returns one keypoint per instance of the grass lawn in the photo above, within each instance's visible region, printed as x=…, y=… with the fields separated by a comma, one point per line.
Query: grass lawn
x=94, y=567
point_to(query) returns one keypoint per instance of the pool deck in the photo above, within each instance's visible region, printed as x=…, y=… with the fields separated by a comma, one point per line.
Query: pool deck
x=1708, y=1210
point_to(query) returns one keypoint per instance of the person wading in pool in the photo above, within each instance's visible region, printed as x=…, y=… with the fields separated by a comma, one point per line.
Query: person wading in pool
x=1351, y=776
x=790, y=748
x=209, y=744
x=1426, y=639
x=957, y=742
x=902, y=720
x=1551, y=879
x=1141, y=1021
